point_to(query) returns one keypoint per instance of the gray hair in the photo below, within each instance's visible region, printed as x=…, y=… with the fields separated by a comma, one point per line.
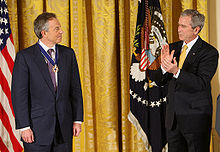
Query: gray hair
x=197, y=19
x=41, y=23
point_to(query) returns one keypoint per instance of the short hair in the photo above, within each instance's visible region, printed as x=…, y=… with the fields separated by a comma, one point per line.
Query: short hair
x=197, y=19
x=41, y=23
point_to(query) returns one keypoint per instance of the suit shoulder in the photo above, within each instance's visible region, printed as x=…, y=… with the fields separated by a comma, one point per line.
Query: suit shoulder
x=65, y=49
x=208, y=47
x=27, y=50
x=175, y=45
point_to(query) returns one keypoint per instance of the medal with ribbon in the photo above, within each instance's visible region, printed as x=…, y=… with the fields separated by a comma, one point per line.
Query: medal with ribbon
x=49, y=59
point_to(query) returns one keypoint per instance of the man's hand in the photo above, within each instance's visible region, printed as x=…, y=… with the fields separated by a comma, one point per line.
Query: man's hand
x=27, y=136
x=170, y=67
x=76, y=129
x=165, y=53
x=168, y=62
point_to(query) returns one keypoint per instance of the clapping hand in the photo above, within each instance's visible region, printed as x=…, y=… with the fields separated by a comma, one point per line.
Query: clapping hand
x=168, y=62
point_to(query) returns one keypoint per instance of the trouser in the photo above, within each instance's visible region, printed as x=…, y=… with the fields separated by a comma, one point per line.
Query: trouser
x=58, y=145
x=178, y=141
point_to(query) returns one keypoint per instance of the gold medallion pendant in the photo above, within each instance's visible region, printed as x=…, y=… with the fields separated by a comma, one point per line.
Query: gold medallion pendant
x=55, y=68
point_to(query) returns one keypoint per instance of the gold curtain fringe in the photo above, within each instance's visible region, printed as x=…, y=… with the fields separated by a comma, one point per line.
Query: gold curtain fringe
x=140, y=131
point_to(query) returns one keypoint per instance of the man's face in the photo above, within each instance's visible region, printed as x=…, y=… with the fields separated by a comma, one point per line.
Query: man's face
x=185, y=30
x=54, y=33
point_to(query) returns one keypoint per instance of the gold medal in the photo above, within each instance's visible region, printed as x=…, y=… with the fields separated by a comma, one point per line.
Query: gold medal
x=55, y=68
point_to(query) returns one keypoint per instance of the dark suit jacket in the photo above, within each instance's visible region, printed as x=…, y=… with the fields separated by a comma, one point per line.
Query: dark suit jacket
x=34, y=100
x=189, y=96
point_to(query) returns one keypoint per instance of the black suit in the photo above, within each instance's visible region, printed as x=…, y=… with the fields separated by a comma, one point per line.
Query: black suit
x=35, y=102
x=189, y=105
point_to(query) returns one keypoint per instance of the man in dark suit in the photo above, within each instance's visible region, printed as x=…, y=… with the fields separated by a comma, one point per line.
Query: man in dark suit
x=187, y=67
x=46, y=90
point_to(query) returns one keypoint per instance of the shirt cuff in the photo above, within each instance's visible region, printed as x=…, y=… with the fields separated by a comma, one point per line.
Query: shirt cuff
x=79, y=122
x=163, y=71
x=26, y=128
x=177, y=74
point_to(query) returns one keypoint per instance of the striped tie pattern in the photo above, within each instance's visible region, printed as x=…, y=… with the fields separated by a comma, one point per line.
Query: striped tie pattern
x=50, y=67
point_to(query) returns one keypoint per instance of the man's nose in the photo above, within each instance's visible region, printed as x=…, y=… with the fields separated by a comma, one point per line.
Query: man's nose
x=179, y=29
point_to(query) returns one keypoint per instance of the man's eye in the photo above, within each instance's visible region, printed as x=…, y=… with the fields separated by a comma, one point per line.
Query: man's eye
x=57, y=28
x=182, y=26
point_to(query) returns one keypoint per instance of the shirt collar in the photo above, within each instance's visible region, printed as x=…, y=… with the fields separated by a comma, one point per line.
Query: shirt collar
x=45, y=47
x=191, y=43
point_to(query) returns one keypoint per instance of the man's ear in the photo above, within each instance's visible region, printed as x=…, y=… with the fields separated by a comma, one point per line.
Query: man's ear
x=43, y=33
x=196, y=30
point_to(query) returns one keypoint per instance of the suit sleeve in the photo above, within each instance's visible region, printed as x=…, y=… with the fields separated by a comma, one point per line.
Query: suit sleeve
x=76, y=92
x=19, y=92
x=200, y=75
x=160, y=78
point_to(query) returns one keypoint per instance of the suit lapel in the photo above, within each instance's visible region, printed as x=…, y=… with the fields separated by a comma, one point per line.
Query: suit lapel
x=40, y=62
x=192, y=53
x=61, y=65
x=178, y=51
x=194, y=50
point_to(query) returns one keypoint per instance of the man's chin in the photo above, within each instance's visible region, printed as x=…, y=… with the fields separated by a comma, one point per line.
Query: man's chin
x=180, y=38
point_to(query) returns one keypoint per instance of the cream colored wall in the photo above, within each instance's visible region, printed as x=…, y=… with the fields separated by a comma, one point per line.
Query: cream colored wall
x=214, y=35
